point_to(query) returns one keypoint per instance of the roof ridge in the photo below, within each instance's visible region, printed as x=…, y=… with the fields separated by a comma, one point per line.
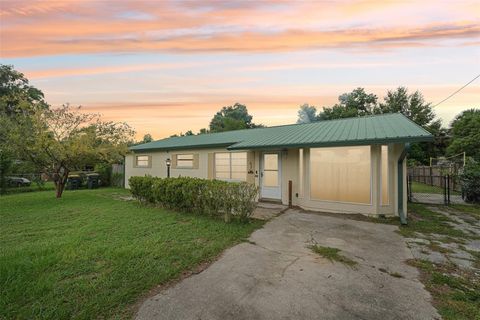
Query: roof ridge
x=354, y=128
x=286, y=125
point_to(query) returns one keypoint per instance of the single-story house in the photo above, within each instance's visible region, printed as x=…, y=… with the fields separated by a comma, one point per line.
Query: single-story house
x=353, y=165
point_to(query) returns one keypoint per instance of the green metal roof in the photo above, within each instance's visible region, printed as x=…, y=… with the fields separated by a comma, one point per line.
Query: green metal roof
x=378, y=129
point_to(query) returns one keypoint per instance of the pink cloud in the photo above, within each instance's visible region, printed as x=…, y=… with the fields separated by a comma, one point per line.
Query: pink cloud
x=77, y=27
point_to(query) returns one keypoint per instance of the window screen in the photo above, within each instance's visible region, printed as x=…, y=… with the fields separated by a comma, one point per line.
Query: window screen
x=231, y=166
x=184, y=160
x=142, y=161
x=340, y=174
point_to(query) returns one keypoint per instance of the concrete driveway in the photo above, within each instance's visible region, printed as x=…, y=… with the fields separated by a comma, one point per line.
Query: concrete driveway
x=276, y=276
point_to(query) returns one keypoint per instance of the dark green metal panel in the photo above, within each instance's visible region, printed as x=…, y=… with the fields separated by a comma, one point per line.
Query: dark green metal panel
x=379, y=129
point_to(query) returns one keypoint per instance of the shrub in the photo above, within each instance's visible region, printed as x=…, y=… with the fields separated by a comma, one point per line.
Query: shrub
x=117, y=179
x=105, y=172
x=141, y=188
x=199, y=196
x=471, y=182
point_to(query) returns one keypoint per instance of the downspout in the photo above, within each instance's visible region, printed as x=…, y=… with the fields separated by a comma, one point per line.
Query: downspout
x=124, y=176
x=401, y=209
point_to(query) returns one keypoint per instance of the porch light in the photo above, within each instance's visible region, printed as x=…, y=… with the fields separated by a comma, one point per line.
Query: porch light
x=168, y=162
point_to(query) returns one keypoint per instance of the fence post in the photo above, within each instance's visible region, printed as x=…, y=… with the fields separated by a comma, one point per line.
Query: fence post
x=448, y=189
x=445, y=190
x=431, y=176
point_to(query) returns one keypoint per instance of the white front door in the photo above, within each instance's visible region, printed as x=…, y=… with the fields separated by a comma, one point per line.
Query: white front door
x=270, y=176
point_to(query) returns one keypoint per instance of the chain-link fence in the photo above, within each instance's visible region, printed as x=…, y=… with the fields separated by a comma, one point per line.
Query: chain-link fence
x=434, y=189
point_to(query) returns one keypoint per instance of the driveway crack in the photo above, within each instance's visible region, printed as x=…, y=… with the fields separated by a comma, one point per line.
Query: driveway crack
x=276, y=251
x=289, y=265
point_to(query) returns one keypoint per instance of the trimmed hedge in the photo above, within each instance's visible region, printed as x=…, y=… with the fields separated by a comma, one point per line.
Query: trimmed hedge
x=200, y=196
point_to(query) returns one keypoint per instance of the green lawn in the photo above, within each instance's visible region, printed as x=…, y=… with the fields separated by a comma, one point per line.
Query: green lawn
x=455, y=291
x=49, y=185
x=423, y=220
x=91, y=255
x=471, y=209
x=418, y=187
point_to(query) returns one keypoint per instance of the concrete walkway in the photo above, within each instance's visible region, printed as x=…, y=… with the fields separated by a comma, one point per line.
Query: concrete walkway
x=276, y=276
x=268, y=210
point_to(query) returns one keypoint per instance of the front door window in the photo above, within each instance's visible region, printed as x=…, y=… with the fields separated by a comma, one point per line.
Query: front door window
x=271, y=176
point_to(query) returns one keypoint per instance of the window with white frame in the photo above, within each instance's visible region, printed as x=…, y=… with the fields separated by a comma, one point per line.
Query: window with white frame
x=341, y=174
x=185, y=160
x=142, y=161
x=231, y=166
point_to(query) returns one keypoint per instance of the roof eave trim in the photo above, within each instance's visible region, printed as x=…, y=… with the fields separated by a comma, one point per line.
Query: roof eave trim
x=335, y=143
x=189, y=147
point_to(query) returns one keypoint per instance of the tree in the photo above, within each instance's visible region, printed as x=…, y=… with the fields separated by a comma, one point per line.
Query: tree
x=465, y=131
x=64, y=139
x=6, y=151
x=17, y=97
x=147, y=138
x=187, y=133
x=470, y=178
x=232, y=118
x=353, y=104
x=18, y=101
x=307, y=114
x=413, y=106
x=359, y=103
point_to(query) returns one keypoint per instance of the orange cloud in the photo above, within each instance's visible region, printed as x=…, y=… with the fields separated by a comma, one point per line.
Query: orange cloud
x=162, y=119
x=34, y=28
x=68, y=72
x=14, y=45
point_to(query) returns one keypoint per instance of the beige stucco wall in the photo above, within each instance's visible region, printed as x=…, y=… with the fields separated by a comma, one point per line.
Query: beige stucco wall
x=289, y=172
x=290, y=166
x=158, y=166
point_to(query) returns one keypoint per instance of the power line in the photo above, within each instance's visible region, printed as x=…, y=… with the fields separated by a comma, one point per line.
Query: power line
x=457, y=91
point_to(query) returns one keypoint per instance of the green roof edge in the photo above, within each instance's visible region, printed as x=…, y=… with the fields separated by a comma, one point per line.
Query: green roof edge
x=243, y=144
x=337, y=143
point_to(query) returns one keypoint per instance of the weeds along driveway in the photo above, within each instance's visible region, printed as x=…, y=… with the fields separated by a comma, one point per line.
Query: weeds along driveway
x=276, y=275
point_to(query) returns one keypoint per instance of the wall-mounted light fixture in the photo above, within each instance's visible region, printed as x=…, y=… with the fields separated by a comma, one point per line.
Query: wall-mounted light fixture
x=168, y=162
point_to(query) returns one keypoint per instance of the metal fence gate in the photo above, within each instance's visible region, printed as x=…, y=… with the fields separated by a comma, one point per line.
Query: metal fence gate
x=434, y=188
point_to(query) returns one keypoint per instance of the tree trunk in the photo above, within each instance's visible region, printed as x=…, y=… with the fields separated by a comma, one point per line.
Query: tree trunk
x=60, y=180
x=59, y=187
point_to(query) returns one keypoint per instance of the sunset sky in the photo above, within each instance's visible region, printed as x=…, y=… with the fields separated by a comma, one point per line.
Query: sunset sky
x=166, y=67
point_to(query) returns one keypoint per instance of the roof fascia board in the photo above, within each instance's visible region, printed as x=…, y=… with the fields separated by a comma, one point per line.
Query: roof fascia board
x=202, y=146
x=335, y=143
